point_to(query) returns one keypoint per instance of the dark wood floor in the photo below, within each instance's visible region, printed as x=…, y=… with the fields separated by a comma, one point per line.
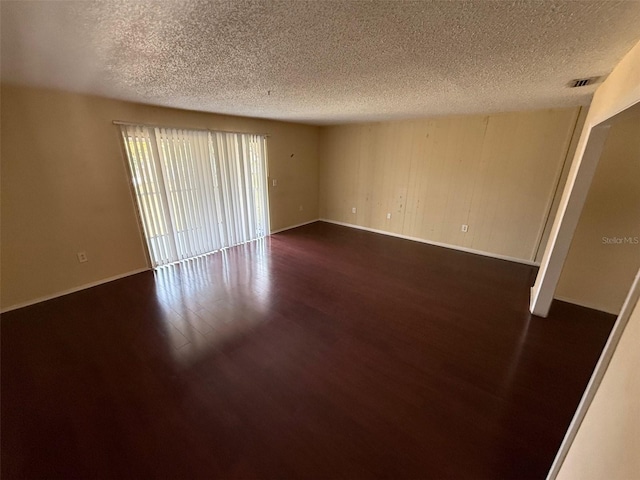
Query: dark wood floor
x=321, y=352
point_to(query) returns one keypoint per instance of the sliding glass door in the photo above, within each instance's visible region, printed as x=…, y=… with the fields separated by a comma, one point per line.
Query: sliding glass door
x=197, y=191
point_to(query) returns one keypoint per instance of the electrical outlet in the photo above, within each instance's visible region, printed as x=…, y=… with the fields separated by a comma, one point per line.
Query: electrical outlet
x=353, y=210
x=82, y=257
x=388, y=216
x=464, y=228
x=274, y=182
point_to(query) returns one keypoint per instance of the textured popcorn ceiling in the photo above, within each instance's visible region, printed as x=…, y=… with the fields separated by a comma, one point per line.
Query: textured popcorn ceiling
x=320, y=61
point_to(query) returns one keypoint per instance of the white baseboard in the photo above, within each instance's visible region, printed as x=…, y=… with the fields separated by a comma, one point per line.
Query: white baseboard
x=344, y=224
x=294, y=226
x=437, y=244
x=72, y=290
x=581, y=303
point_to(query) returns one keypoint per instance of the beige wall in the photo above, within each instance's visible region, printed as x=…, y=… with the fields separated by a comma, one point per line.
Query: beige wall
x=65, y=187
x=598, y=274
x=495, y=173
x=607, y=444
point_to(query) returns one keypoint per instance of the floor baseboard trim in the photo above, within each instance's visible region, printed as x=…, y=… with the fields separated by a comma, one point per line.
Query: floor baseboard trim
x=436, y=244
x=584, y=304
x=72, y=290
x=294, y=226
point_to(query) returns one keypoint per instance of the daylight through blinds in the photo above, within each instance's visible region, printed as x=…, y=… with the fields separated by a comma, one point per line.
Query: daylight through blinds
x=197, y=191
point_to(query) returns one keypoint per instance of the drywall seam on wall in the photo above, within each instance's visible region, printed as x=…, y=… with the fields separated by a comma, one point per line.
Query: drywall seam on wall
x=73, y=290
x=436, y=244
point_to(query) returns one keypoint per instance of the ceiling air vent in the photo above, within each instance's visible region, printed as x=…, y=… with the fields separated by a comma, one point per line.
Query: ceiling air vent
x=583, y=82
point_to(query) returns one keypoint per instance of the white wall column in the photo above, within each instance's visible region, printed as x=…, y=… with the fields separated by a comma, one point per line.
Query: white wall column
x=573, y=198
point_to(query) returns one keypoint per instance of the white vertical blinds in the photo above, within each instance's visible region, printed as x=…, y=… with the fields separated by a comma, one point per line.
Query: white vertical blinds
x=197, y=191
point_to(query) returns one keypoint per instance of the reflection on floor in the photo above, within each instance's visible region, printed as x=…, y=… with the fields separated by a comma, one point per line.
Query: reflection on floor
x=320, y=352
x=211, y=299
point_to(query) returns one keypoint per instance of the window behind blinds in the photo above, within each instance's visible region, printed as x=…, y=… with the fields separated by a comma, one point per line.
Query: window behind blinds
x=197, y=191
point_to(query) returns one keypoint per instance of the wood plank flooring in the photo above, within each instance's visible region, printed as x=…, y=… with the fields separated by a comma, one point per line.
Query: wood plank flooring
x=320, y=352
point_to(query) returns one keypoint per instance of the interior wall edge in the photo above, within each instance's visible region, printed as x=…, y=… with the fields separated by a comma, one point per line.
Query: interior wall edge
x=562, y=180
x=596, y=273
